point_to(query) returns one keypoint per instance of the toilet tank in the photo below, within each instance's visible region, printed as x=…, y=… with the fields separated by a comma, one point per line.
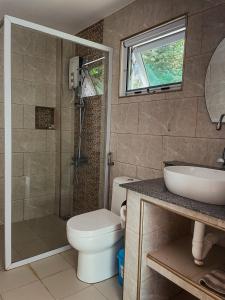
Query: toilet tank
x=118, y=193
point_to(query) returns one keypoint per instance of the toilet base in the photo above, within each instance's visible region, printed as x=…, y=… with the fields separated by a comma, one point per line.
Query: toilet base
x=96, y=267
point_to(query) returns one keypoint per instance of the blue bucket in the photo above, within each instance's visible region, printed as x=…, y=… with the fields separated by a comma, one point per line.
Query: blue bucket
x=120, y=257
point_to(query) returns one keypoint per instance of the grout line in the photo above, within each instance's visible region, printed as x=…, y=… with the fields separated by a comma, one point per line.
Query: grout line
x=94, y=285
x=172, y=136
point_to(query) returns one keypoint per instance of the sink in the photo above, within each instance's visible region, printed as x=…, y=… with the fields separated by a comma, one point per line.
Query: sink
x=201, y=184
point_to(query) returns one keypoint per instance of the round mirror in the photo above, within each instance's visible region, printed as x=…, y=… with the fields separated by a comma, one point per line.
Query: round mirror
x=215, y=84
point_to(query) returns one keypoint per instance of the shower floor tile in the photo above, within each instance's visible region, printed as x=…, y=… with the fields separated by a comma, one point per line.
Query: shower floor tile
x=36, y=236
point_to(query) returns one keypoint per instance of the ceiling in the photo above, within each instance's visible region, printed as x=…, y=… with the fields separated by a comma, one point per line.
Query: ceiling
x=70, y=16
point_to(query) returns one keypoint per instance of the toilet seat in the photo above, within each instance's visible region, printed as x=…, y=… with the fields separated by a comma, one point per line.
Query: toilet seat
x=94, y=223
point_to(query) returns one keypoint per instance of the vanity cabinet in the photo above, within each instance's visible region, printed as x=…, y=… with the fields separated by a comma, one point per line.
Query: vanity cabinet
x=158, y=242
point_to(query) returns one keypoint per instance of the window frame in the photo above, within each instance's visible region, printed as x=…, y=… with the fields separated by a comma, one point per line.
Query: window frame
x=167, y=30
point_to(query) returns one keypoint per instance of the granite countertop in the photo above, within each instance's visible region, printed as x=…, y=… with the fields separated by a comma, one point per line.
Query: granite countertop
x=156, y=188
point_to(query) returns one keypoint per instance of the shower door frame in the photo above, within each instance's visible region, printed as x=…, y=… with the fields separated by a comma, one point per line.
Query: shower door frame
x=7, y=23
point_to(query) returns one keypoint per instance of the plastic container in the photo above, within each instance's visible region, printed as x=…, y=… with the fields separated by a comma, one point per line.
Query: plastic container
x=120, y=257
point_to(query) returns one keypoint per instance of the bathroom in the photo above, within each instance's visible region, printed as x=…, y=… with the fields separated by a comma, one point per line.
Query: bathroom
x=120, y=134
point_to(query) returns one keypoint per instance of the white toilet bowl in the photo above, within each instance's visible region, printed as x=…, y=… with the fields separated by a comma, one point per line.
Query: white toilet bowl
x=97, y=236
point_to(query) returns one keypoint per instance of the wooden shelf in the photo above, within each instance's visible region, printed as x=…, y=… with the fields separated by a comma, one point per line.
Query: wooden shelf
x=175, y=262
x=184, y=296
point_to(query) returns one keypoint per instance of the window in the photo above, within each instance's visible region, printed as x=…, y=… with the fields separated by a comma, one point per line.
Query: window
x=153, y=61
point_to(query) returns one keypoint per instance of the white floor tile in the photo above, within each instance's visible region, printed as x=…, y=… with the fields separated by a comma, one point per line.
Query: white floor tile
x=71, y=257
x=64, y=284
x=87, y=294
x=16, y=278
x=50, y=265
x=34, y=291
x=110, y=289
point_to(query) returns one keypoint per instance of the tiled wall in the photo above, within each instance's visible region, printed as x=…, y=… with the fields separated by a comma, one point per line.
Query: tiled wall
x=87, y=189
x=146, y=130
x=65, y=136
x=33, y=83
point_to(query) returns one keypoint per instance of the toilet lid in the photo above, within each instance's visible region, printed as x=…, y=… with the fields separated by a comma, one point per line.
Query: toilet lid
x=95, y=222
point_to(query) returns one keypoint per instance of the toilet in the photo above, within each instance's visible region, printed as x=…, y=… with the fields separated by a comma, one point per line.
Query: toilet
x=97, y=236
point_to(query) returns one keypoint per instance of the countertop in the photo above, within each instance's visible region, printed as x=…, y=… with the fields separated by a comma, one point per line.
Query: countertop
x=156, y=188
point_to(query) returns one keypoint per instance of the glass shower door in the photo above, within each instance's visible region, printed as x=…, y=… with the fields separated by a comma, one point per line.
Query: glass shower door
x=47, y=184
x=36, y=144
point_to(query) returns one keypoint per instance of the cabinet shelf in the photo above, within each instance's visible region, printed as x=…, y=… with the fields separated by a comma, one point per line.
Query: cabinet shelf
x=175, y=262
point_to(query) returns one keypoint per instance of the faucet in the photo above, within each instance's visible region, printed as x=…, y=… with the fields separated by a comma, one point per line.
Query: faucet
x=222, y=159
x=219, y=124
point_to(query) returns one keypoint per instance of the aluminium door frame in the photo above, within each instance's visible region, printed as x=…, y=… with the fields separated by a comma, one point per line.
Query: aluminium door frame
x=7, y=23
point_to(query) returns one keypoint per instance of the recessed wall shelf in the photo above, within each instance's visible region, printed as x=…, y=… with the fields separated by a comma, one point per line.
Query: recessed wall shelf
x=44, y=117
x=175, y=262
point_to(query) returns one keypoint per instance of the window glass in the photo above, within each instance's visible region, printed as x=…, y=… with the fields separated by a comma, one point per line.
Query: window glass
x=154, y=59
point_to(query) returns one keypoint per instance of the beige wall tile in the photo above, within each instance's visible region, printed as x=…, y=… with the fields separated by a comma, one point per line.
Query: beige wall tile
x=1, y=88
x=191, y=6
x=67, y=98
x=1, y=62
x=17, y=164
x=205, y=128
x=142, y=150
x=1, y=141
x=214, y=150
x=133, y=207
x=27, y=41
x=174, y=117
x=26, y=92
x=17, y=66
x=1, y=115
x=1, y=38
x=17, y=116
x=39, y=163
x=185, y=149
x=194, y=150
x=37, y=207
x=29, y=116
x=17, y=211
x=18, y=189
x=21, y=39
x=194, y=35
x=29, y=140
x=213, y=21
x=67, y=141
x=148, y=173
x=51, y=46
x=40, y=185
x=124, y=118
x=113, y=145
x=131, y=269
x=39, y=70
x=67, y=118
x=194, y=75
x=51, y=141
x=51, y=95
x=67, y=170
x=122, y=169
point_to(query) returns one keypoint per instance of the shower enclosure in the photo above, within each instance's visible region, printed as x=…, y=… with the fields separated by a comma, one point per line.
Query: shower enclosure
x=55, y=135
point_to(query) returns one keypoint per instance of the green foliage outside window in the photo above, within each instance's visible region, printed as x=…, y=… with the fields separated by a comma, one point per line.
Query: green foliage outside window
x=164, y=65
x=97, y=77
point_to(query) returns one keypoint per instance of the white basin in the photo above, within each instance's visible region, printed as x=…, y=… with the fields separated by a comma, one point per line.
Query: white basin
x=201, y=184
